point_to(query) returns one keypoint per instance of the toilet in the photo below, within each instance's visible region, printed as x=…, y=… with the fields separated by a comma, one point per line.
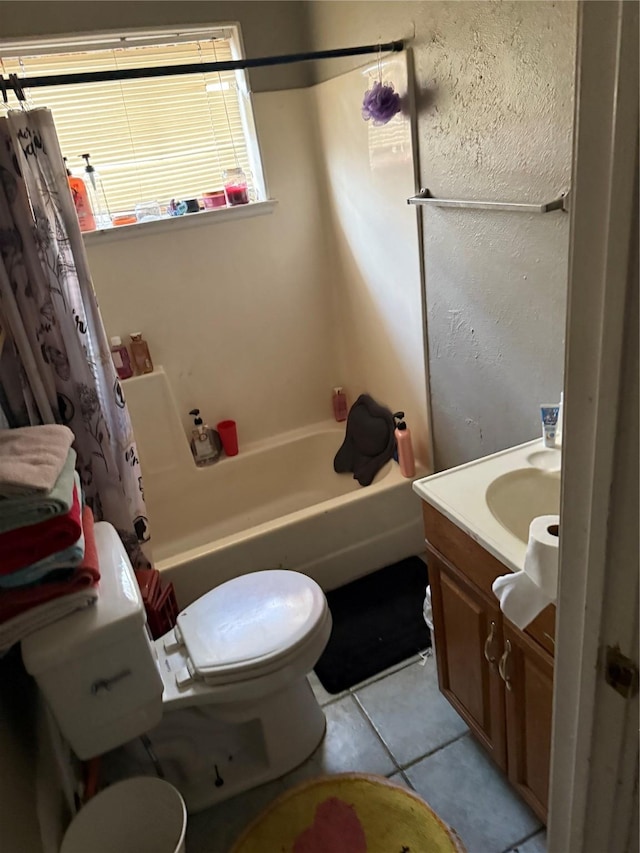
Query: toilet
x=222, y=700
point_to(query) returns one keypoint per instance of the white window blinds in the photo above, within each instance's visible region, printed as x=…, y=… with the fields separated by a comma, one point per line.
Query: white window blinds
x=151, y=139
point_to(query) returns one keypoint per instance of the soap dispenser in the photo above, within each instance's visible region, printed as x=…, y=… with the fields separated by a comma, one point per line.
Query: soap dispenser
x=404, y=444
x=205, y=442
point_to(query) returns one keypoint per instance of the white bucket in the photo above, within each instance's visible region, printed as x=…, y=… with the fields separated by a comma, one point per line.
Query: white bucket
x=140, y=815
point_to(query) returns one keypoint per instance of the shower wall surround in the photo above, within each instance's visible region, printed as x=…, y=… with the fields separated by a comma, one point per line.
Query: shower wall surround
x=367, y=174
x=257, y=319
x=495, y=116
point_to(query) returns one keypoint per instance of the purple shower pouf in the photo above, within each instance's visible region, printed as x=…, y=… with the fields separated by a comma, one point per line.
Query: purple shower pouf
x=380, y=103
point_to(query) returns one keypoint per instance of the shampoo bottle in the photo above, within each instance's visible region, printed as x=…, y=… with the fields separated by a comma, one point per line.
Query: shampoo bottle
x=405, y=447
x=140, y=353
x=339, y=404
x=81, y=201
x=205, y=442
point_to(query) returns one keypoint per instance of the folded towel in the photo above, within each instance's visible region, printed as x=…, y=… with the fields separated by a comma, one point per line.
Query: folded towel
x=31, y=459
x=62, y=561
x=22, y=512
x=26, y=623
x=26, y=545
x=14, y=602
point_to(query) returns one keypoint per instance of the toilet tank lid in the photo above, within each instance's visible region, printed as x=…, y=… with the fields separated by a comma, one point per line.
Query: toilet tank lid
x=118, y=610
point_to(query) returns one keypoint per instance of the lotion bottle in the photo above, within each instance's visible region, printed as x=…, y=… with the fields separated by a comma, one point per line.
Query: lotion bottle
x=205, y=442
x=404, y=444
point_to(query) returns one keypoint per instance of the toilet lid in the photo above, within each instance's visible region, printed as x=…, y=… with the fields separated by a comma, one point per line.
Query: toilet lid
x=250, y=620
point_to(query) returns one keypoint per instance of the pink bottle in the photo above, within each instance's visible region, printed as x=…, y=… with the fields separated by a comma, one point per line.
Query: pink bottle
x=121, y=360
x=404, y=444
x=339, y=404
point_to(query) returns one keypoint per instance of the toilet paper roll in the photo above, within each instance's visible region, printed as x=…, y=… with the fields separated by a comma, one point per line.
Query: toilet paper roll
x=541, y=559
x=520, y=598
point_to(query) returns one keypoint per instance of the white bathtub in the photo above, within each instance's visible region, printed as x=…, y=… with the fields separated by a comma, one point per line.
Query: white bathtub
x=279, y=505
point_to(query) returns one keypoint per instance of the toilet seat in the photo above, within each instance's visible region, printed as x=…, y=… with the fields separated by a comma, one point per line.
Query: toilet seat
x=250, y=626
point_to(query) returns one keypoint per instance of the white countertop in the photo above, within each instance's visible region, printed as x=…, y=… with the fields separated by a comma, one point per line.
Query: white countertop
x=460, y=494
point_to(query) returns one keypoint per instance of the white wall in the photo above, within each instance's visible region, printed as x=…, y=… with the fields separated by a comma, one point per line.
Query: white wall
x=237, y=312
x=501, y=76
x=368, y=174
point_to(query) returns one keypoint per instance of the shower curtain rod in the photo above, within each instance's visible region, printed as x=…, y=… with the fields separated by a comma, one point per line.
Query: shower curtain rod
x=13, y=80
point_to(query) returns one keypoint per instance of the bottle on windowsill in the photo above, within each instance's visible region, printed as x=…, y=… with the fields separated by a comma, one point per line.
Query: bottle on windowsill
x=81, y=201
x=236, y=189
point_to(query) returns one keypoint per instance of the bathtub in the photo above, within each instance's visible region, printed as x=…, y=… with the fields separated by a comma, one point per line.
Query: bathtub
x=278, y=504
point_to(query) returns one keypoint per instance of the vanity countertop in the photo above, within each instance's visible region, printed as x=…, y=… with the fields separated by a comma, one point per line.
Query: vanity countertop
x=495, y=498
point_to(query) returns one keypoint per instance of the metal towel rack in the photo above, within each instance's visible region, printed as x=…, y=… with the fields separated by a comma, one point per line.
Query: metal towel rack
x=425, y=197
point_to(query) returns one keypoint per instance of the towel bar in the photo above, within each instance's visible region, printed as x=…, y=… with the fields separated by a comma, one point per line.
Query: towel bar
x=425, y=197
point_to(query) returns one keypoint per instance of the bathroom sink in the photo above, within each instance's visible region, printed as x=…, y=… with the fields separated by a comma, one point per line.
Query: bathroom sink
x=494, y=499
x=516, y=498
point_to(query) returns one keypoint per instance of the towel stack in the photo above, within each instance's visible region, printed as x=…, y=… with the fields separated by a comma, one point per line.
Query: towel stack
x=48, y=559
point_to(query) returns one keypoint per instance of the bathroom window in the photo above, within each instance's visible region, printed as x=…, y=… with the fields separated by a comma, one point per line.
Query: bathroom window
x=152, y=139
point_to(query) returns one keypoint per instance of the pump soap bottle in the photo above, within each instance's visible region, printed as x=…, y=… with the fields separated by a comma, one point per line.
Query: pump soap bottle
x=205, y=442
x=406, y=459
x=81, y=201
x=95, y=188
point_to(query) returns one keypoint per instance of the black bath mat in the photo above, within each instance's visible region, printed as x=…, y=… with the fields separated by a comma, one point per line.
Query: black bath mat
x=377, y=622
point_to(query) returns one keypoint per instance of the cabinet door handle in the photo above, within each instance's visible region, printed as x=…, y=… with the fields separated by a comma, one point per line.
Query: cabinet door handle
x=488, y=643
x=502, y=666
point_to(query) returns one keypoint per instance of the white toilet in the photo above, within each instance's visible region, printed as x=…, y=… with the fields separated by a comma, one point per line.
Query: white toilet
x=223, y=698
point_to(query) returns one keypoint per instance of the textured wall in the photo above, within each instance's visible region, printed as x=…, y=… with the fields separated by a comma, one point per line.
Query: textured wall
x=501, y=78
x=272, y=27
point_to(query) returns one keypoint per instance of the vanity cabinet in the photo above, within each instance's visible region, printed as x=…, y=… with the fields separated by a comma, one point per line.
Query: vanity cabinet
x=468, y=635
x=498, y=678
x=528, y=672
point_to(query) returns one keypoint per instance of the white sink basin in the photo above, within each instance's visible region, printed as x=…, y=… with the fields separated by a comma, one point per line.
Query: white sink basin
x=496, y=498
x=516, y=498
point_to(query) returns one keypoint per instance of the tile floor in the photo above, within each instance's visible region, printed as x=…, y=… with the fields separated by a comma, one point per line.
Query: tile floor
x=397, y=725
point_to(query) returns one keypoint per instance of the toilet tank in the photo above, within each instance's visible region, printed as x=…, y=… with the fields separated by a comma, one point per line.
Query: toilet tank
x=97, y=668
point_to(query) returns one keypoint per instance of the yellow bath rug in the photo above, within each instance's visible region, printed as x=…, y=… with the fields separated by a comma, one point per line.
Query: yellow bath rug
x=349, y=813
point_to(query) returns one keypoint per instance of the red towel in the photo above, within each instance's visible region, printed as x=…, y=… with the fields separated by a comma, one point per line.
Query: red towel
x=17, y=600
x=26, y=545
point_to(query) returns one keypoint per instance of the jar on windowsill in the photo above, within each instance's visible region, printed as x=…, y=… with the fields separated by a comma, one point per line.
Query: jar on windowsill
x=235, y=187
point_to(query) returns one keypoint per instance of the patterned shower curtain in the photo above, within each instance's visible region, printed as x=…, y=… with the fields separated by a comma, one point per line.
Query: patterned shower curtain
x=55, y=365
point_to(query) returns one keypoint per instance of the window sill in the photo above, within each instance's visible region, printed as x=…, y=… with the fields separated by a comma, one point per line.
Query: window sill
x=175, y=223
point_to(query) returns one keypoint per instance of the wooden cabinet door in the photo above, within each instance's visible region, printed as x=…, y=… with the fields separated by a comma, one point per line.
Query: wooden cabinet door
x=528, y=672
x=468, y=639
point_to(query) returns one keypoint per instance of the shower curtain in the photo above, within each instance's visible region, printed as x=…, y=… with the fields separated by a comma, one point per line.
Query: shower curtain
x=55, y=364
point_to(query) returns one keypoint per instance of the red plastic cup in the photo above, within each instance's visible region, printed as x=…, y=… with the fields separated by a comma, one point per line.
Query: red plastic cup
x=229, y=437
